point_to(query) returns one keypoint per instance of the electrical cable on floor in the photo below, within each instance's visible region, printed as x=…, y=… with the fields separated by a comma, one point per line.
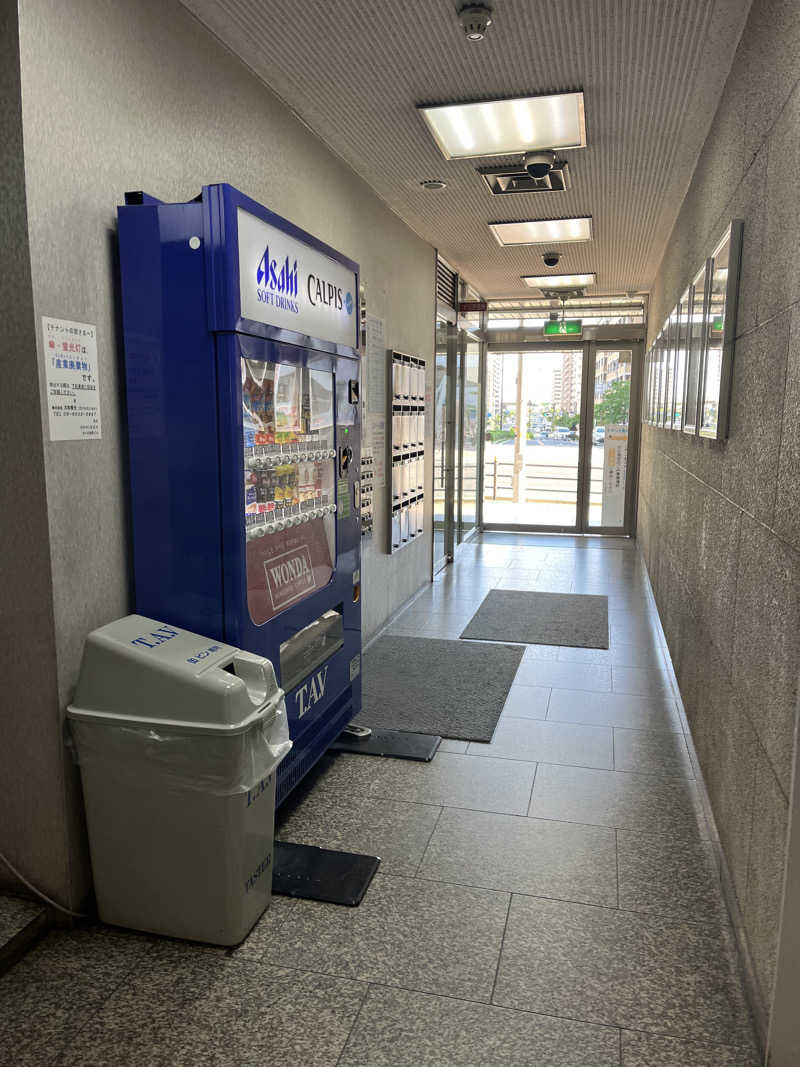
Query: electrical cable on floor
x=39, y=893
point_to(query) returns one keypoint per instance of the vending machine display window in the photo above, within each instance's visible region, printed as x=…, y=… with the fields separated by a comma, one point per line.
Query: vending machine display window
x=289, y=484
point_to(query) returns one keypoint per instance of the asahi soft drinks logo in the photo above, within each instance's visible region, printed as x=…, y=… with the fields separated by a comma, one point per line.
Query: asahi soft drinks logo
x=289, y=576
x=277, y=285
x=287, y=282
x=277, y=282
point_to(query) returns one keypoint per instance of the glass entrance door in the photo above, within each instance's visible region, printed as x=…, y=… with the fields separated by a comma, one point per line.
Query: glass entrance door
x=610, y=453
x=442, y=500
x=532, y=447
x=557, y=454
x=469, y=378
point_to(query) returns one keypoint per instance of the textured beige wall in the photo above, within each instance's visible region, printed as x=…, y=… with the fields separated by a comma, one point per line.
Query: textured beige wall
x=141, y=96
x=720, y=524
x=32, y=826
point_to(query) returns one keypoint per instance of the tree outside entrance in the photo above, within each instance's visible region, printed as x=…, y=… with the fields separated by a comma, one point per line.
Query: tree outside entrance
x=613, y=409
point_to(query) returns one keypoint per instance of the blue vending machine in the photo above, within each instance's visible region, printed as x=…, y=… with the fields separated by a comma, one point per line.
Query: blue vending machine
x=242, y=368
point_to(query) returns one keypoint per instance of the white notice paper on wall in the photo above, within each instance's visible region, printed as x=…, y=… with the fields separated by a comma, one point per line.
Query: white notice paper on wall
x=377, y=436
x=375, y=355
x=615, y=465
x=73, y=384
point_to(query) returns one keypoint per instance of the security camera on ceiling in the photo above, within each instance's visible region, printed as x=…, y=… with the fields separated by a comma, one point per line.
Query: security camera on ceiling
x=539, y=164
x=551, y=258
x=475, y=20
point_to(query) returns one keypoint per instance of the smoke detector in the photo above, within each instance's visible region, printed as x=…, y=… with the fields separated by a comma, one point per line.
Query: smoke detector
x=475, y=20
x=433, y=183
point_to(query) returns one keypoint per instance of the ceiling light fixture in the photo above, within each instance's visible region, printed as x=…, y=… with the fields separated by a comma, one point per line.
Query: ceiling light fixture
x=559, y=281
x=475, y=20
x=433, y=183
x=498, y=127
x=543, y=231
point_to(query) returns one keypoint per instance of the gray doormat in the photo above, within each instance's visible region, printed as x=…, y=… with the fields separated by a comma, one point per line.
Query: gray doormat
x=433, y=686
x=571, y=619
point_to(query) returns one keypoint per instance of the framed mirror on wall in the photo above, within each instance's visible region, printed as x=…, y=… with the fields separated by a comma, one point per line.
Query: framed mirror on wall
x=724, y=268
x=697, y=329
x=681, y=347
x=689, y=366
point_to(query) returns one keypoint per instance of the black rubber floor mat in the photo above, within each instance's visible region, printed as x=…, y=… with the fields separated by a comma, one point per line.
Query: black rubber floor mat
x=399, y=744
x=321, y=873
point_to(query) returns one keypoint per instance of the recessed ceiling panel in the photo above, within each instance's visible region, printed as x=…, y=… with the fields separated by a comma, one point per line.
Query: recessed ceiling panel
x=559, y=281
x=497, y=127
x=542, y=231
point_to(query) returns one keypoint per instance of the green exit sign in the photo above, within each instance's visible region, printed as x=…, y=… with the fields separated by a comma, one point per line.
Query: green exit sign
x=566, y=326
x=717, y=324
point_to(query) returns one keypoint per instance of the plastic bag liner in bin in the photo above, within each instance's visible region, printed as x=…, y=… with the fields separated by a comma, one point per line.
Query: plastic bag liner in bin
x=178, y=738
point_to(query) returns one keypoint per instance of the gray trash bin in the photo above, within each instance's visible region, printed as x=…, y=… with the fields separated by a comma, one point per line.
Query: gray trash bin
x=178, y=738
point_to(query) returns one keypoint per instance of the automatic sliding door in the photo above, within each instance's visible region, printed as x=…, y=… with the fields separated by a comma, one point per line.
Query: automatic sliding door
x=561, y=439
x=532, y=449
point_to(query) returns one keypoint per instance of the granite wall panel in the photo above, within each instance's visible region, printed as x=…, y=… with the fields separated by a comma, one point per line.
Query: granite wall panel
x=721, y=521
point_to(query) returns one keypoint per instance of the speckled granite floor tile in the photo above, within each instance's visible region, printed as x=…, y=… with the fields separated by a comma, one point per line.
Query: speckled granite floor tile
x=187, y=1008
x=397, y=1028
x=448, y=745
x=652, y=752
x=550, y=742
x=15, y=914
x=619, y=656
x=539, y=652
x=560, y=675
x=638, y=680
x=476, y=782
x=542, y=584
x=394, y=830
x=417, y=934
x=612, y=798
x=521, y=855
x=451, y=778
x=669, y=877
x=343, y=773
x=613, y=709
x=650, y=973
x=644, y=1050
x=49, y=994
x=258, y=942
x=527, y=702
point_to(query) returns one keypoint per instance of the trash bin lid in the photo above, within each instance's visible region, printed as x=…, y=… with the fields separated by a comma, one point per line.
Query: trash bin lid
x=140, y=670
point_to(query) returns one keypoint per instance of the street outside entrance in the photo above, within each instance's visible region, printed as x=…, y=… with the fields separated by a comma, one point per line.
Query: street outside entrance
x=548, y=486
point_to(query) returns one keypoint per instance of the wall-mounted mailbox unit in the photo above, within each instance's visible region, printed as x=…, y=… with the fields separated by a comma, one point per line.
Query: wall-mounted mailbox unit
x=406, y=446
